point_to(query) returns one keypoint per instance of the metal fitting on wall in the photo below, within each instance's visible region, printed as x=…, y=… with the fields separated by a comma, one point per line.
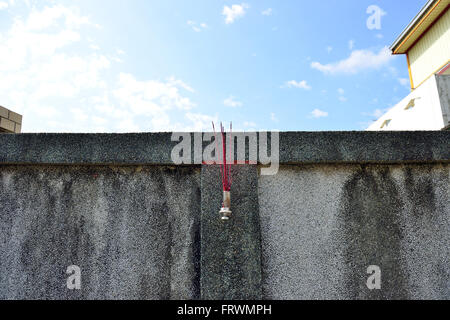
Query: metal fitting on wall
x=225, y=212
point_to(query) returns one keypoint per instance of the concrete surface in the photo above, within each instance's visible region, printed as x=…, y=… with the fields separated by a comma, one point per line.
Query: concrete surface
x=443, y=84
x=231, y=251
x=156, y=148
x=322, y=226
x=133, y=231
x=141, y=228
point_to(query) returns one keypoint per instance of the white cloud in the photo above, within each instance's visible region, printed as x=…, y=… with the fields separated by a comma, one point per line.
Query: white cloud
x=180, y=83
x=197, y=27
x=358, y=61
x=329, y=49
x=79, y=114
x=341, y=93
x=351, y=44
x=377, y=113
x=52, y=16
x=267, y=12
x=127, y=125
x=3, y=5
x=32, y=60
x=273, y=117
x=231, y=102
x=249, y=124
x=60, y=88
x=150, y=99
x=392, y=71
x=200, y=122
x=301, y=85
x=317, y=113
x=404, y=82
x=236, y=11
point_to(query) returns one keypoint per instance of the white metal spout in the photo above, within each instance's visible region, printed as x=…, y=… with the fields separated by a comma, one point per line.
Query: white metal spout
x=225, y=212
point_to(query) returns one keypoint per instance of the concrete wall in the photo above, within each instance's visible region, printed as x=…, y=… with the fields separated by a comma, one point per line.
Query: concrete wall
x=322, y=226
x=133, y=231
x=141, y=228
x=443, y=85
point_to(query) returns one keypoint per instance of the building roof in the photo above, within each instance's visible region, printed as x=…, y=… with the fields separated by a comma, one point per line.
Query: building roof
x=431, y=12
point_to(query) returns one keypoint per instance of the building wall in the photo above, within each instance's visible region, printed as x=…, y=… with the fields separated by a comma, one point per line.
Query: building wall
x=432, y=51
x=140, y=227
x=322, y=226
x=10, y=121
x=428, y=113
x=133, y=231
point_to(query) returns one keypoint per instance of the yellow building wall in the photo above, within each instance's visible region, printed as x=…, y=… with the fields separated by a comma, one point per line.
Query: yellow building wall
x=431, y=52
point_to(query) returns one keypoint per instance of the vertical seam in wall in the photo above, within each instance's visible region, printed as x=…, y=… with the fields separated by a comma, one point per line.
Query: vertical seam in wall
x=230, y=251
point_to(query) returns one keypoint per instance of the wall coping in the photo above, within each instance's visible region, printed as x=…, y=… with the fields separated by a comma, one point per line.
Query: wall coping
x=155, y=148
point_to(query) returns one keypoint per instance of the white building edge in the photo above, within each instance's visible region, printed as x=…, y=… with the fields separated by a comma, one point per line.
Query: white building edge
x=426, y=44
x=426, y=108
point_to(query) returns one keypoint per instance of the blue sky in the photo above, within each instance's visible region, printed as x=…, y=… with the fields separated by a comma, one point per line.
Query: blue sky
x=147, y=65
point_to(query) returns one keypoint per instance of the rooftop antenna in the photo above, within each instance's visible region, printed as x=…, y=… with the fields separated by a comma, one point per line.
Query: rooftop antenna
x=225, y=171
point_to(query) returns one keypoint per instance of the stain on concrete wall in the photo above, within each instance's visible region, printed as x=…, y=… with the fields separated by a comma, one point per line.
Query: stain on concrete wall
x=231, y=251
x=369, y=213
x=133, y=231
x=323, y=225
x=425, y=220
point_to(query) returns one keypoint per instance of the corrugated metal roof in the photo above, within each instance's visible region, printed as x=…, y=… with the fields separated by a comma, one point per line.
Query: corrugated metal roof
x=420, y=24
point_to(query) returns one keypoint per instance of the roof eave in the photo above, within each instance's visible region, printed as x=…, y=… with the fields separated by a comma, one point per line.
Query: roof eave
x=397, y=43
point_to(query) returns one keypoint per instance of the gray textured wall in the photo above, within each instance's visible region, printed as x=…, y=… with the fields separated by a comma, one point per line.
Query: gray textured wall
x=443, y=84
x=140, y=228
x=133, y=231
x=323, y=225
